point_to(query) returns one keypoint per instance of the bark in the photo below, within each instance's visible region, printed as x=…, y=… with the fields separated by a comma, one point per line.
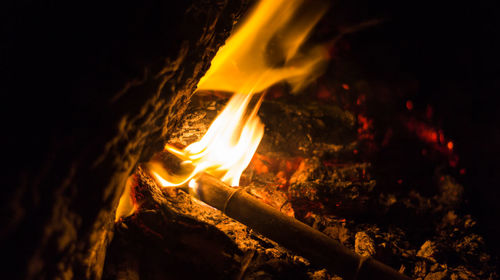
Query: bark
x=92, y=89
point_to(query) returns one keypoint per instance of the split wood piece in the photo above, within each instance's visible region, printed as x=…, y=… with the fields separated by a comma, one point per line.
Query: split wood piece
x=289, y=232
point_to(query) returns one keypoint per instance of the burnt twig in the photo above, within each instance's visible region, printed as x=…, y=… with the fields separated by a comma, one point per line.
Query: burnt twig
x=289, y=232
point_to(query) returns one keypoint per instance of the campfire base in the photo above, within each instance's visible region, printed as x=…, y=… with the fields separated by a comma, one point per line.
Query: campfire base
x=172, y=236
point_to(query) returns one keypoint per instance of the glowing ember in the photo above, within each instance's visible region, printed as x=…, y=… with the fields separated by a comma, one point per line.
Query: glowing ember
x=409, y=105
x=450, y=145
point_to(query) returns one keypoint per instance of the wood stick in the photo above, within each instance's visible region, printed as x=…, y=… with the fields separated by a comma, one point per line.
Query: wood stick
x=289, y=232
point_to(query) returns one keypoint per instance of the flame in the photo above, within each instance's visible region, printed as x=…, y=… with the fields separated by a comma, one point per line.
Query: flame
x=266, y=49
x=227, y=147
x=126, y=205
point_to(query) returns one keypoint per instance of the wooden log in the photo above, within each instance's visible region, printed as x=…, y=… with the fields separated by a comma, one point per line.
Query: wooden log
x=289, y=232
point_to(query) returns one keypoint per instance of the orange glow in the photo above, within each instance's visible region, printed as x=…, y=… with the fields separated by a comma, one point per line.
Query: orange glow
x=345, y=86
x=126, y=205
x=263, y=51
x=441, y=137
x=450, y=145
x=409, y=105
x=259, y=165
x=433, y=136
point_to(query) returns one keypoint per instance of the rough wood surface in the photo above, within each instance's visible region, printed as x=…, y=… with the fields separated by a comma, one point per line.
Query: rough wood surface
x=99, y=86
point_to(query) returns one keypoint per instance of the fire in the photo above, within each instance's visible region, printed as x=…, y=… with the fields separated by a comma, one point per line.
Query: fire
x=266, y=49
x=227, y=147
x=126, y=205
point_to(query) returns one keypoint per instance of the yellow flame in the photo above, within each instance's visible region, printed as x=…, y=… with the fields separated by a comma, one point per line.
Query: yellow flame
x=263, y=51
x=126, y=206
x=227, y=147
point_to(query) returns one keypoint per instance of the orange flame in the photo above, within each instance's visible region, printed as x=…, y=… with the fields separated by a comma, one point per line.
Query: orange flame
x=126, y=205
x=264, y=50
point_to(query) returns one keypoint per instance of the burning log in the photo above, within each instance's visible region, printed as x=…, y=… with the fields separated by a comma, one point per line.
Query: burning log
x=289, y=232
